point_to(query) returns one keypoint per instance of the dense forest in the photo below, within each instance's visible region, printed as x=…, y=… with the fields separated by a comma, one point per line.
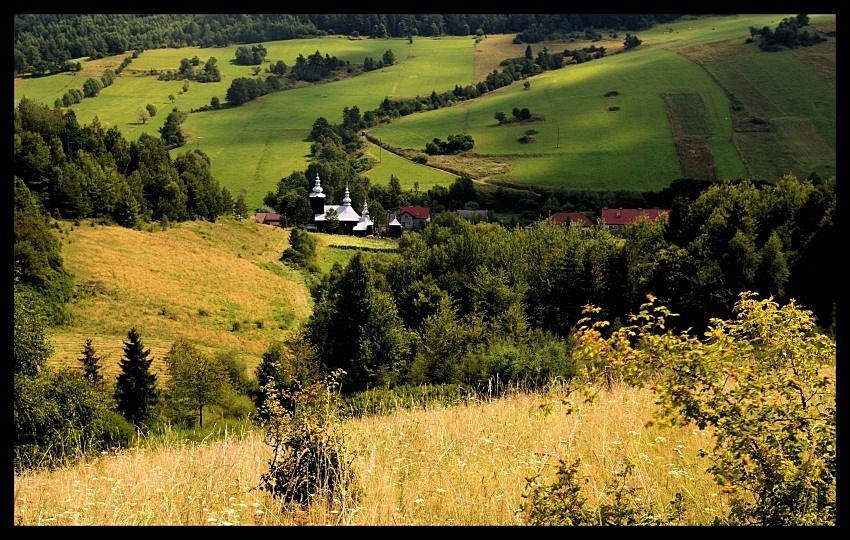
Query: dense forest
x=389, y=321
x=46, y=43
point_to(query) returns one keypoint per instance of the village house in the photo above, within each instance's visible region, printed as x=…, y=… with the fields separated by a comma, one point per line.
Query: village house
x=413, y=217
x=267, y=218
x=574, y=219
x=616, y=218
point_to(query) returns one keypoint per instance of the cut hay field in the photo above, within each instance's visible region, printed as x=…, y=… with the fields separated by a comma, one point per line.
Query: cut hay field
x=220, y=285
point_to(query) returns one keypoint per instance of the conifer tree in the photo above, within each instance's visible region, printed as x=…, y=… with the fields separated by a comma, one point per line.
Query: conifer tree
x=91, y=363
x=135, y=389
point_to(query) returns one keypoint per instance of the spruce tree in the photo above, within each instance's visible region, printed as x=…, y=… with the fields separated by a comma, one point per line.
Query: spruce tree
x=135, y=389
x=91, y=363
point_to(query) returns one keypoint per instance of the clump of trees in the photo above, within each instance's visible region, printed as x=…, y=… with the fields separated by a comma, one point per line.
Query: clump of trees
x=251, y=56
x=454, y=145
x=189, y=70
x=301, y=250
x=388, y=59
x=790, y=33
x=517, y=115
x=631, y=41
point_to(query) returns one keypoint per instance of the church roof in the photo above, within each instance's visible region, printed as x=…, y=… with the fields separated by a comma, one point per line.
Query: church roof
x=344, y=212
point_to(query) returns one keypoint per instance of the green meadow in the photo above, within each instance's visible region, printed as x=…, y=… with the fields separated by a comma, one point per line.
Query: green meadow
x=604, y=123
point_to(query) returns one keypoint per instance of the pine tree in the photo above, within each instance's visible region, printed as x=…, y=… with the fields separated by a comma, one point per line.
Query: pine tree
x=135, y=389
x=91, y=363
x=240, y=210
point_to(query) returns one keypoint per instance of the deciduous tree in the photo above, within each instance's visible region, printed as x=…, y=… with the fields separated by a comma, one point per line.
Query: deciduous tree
x=196, y=379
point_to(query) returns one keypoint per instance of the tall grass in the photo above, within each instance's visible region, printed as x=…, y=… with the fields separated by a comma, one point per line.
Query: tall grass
x=221, y=285
x=465, y=464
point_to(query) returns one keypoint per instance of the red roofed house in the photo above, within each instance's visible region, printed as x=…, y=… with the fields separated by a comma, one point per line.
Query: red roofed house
x=266, y=218
x=620, y=217
x=414, y=217
x=576, y=219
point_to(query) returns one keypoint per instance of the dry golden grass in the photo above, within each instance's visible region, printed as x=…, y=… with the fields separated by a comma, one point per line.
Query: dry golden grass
x=490, y=51
x=463, y=465
x=220, y=285
x=96, y=68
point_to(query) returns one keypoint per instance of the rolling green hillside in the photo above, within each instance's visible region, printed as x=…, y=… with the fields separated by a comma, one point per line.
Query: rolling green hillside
x=606, y=124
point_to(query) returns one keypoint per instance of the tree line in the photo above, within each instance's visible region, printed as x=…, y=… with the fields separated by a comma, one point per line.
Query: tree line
x=65, y=170
x=419, y=317
x=47, y=43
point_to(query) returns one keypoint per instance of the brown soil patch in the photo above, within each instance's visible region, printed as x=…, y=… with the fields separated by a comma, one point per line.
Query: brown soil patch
x=690, y=129
x=820, y=57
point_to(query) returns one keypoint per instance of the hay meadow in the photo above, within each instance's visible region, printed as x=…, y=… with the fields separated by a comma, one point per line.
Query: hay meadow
x=461, y=465
x=220, y=285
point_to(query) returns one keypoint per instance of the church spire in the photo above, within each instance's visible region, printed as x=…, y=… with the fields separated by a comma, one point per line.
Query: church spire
x=317, y=199
x=317, y=188
x=346, y=201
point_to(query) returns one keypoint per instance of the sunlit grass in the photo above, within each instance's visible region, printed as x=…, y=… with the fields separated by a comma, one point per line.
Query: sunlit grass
x=461, y=465
x=220, y=285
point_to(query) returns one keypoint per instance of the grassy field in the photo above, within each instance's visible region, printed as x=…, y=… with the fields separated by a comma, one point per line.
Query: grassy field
x=255, y=145
x=582, y=142
x=220, y=285
x=461, y=465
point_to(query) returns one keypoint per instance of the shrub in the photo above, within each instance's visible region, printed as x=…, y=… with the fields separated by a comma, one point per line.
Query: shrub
x=60, y=417
x=562, y=502
x=760, y=381
x=309, y=462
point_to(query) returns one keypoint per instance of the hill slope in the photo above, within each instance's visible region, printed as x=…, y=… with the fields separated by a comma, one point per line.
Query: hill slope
x=220, y=285
x=786, y=123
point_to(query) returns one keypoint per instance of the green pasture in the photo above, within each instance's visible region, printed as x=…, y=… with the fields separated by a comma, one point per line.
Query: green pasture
x=253, y=146
x=409, y=173
x=334, y=248
x=581, y=142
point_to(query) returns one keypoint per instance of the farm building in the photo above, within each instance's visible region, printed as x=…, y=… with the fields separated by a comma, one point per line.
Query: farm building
x=413, y=217
x=575, y=219
x=267, y=218
x=615, y=218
